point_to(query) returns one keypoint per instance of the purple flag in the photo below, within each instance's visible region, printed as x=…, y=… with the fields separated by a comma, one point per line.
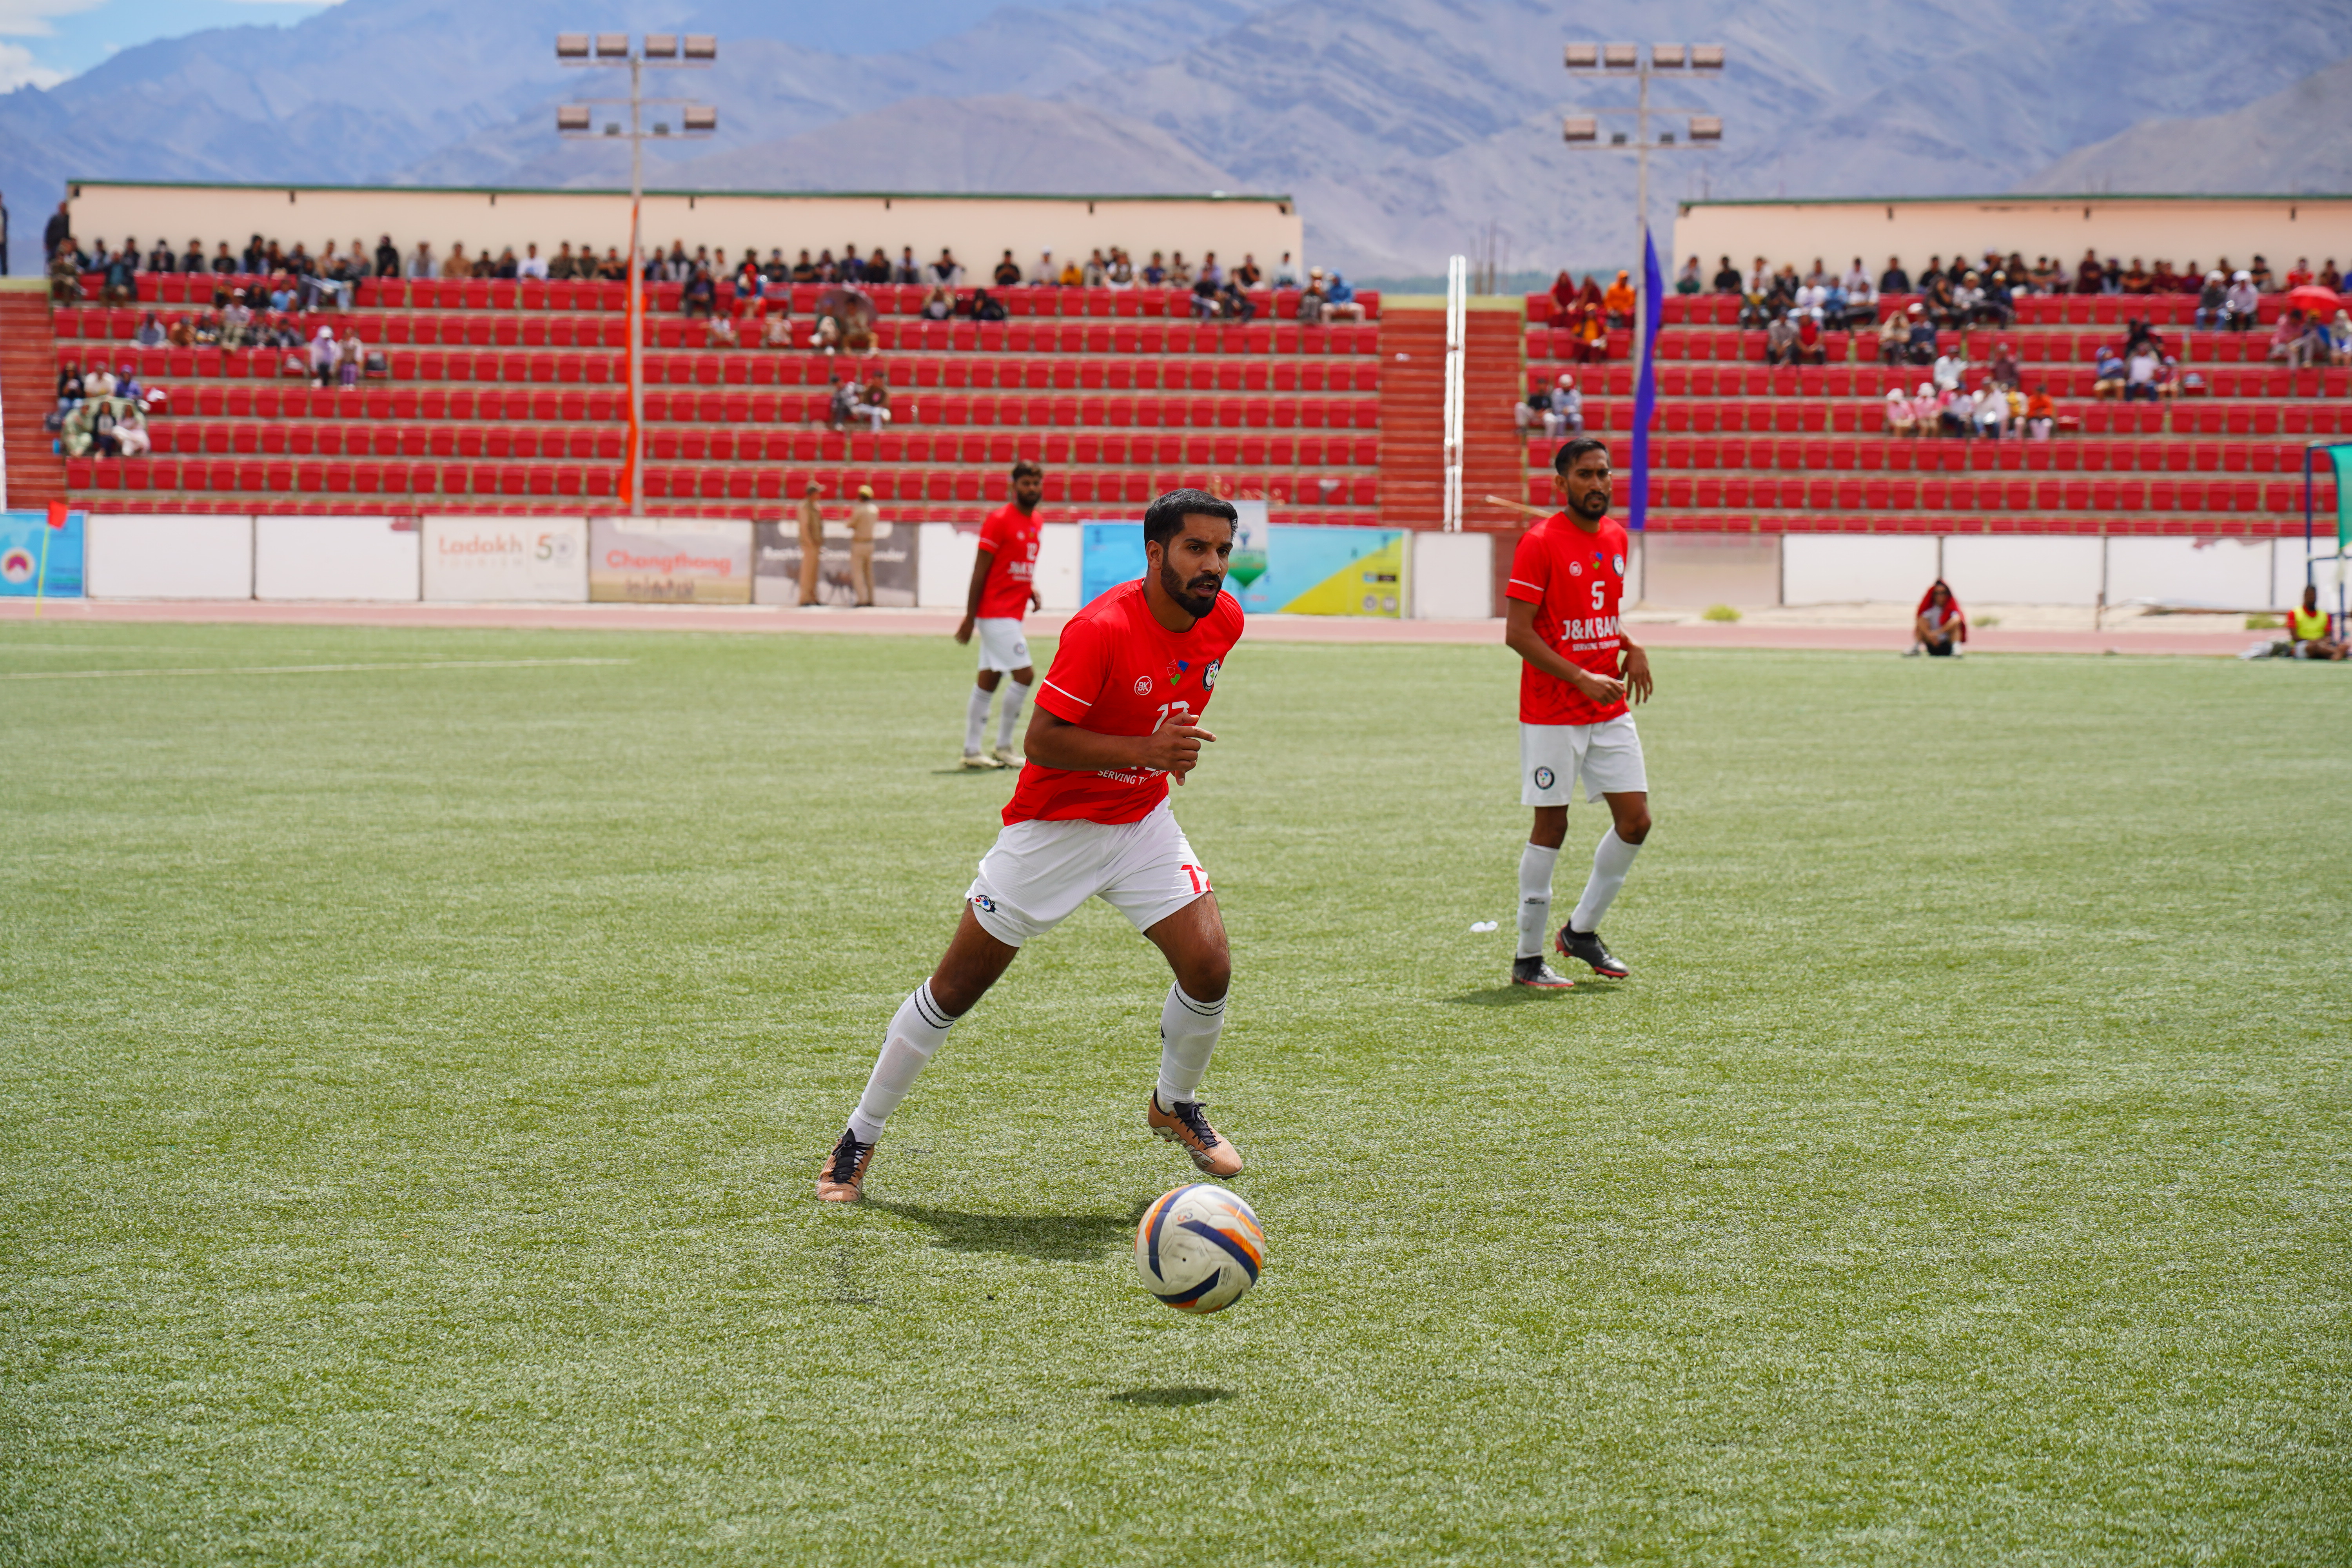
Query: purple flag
x=1645, y=390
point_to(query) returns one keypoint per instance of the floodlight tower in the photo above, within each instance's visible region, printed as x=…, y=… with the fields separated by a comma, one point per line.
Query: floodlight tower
x=577, y=120
x=1706, y=130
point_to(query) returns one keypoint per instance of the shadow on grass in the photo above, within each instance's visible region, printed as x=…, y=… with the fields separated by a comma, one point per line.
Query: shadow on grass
x=1524, y=995
x=1052, y=1237
x=1175, y=1397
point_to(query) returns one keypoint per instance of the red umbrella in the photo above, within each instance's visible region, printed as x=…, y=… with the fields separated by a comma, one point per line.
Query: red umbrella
x=2311, y=297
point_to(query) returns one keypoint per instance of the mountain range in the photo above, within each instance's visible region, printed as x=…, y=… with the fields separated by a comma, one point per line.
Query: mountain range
x=1406, y=129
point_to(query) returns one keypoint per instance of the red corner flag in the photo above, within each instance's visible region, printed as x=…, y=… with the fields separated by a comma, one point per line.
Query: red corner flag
x=56, y=514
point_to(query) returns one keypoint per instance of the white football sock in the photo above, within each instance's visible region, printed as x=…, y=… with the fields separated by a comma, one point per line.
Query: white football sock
x=1015, y=694
x=916, y=1029
x=1535, y=897
x=1188, y=1035
x=1611, y=859
x=975, y=720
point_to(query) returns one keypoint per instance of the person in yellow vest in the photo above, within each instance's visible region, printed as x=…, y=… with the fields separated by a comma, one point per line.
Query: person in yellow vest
x=862, y=519
x=2307, y=628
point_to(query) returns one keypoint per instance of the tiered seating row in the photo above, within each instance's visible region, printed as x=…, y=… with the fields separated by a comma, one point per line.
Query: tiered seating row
x=2239, y=417
x=2051, y=356
x=2033, y=310
x=195, y=290
x=512, y=329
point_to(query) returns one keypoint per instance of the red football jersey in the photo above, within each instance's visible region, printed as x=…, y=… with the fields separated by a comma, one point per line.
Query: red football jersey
x=1574, y=579
x=1009, y=536
x=1120, y=672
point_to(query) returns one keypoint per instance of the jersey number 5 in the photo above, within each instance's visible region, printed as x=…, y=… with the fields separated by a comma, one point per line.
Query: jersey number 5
x=1596, y=593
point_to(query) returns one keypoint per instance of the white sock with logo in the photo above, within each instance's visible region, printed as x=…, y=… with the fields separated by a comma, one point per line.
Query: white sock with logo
x=975, y=720
x=1015, y=694
x=1535, y=897
x=918, y=1029
x=1611, y=859
x=1188, y=1036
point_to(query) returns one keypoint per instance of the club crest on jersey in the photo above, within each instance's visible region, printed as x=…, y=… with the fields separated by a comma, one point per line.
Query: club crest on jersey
x=1143, y=686
x=1544, y=777
x=1209, y=676
x=1617, y=563
x=981, y=900
x=1576, y=568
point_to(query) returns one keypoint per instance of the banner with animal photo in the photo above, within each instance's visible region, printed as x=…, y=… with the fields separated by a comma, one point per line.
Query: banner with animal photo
x=776, y=564
x=666, y=561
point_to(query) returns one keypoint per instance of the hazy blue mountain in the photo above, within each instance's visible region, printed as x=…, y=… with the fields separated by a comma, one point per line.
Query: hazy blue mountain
x=1406, y=127
x=2295, y=141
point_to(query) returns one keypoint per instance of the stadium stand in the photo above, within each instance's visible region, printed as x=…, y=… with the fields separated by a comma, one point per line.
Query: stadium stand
x=512, y=396
x=1741, y=446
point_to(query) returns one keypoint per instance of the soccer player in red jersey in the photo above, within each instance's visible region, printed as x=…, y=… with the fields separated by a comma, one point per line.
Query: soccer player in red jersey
x=1003, y=588
x=1567, y=577
x=1117, y=719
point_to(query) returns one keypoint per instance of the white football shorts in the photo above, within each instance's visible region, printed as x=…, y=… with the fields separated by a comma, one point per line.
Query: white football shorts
x=1038, y=873
x=1001, y=646
x=1607, y=756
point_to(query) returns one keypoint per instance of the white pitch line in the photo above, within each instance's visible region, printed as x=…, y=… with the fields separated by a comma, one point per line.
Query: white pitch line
x=313, y=668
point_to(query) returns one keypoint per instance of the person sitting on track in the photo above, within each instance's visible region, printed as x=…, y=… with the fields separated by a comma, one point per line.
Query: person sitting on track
x=1939, y=628
x=2307, y=629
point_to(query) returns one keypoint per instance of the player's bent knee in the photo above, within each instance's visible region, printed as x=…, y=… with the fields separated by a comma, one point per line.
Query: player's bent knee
x=1027, y=675
x=1208, y=976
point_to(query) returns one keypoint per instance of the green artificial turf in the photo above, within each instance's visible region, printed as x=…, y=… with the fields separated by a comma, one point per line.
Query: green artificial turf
x=413, y=1079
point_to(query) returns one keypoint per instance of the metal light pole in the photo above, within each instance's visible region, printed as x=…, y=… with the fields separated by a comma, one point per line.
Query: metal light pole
x=576, y=121
x=1706, y=130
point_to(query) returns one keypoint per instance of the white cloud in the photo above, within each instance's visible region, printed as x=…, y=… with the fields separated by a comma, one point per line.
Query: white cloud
x=18, y=68
x=30, y=18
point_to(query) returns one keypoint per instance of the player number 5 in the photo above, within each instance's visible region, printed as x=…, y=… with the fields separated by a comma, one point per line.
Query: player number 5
x=1596, y=593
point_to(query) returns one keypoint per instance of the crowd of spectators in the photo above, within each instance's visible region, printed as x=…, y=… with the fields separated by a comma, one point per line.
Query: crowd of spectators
x=101, y=412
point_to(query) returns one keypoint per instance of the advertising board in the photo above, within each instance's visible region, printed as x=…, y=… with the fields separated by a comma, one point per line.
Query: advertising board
x=372, y=559
x=169, y=555
x=1282, y=570
x=507, y=560
x=776, y=564
x=38, y=561
x=668, y=561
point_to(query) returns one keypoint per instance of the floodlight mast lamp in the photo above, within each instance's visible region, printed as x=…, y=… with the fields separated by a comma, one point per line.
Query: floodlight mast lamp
x=614, y=49
x=1584, y=131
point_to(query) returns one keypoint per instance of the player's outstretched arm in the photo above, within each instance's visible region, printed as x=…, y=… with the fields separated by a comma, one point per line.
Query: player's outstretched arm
x=1519, y=636
x=1174, y=749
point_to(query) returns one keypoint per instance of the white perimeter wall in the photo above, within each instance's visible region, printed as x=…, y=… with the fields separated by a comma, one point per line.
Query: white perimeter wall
x=977, y=227
x=1849, y=569
x=2181, y=229
x=371, y=559
x=1451, y=576
x=1057, y=565
x=169, y=556
x=943, y=566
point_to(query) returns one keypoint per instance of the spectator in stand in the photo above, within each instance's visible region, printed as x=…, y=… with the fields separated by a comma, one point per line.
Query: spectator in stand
x=1725, y=280
x=2139, y=372
x=183, y=333
x=57, y=231
x=323, y=358
x=939, y=305
x=2259, y=273
x=700, y=297
x=2244, y=301
x=160, y=258
x=871, y=402
x=2339, y=340
x=1528, y=413
x=1894, y=281
x=1180, y=271
x=2290, y=342
x=1095, y=274
x=1686, y=281
x=350, y=360
x=1565, y=416
x=1991, y=413
x=1619, y=301
x=2329, y=279
x=1781, y=338
x=1008, y=272
x=984, y=309
x=422, y=265
x=1155, y=271
x=877, y=266
x=1247, y=276
x=1926, y=341
x=1564, y=300
x=1045, y=274
x=2003, y=371
x=1339, y=300
x=236, y=321
x=1073, y=275
x=1123, y=270
x=1204, y=301
x=120, y=286
x=907, y=272
x=151, y=332
x=532, y=266
x=1938, y=627
x=387, y=258
x=722, y=334
x=946, y=270
x=1951, y=373
x=1899, y=418
x=2299, y=273
x=1809, y=349
x=2041, y=414
x=777, y=332
x=2089, y=276
x=2107, y=375
x=1895, y=337
x=1312, y=302
x=2213, y=303
x=193, y=259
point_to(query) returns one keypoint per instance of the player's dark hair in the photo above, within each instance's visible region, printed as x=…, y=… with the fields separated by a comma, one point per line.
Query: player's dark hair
x=1565, y=458
x=1165, y=519
x=1025, y=470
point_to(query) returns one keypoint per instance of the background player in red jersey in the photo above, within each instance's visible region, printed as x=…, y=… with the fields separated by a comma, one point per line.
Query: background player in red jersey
x=1116, y=719
x=1567, y=578
x=1003, y=588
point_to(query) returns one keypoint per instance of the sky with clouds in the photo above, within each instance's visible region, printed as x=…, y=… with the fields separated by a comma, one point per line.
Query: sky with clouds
x=42, y=42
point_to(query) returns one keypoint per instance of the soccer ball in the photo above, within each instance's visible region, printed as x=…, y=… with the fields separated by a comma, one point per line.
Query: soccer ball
x=1199, y=1248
